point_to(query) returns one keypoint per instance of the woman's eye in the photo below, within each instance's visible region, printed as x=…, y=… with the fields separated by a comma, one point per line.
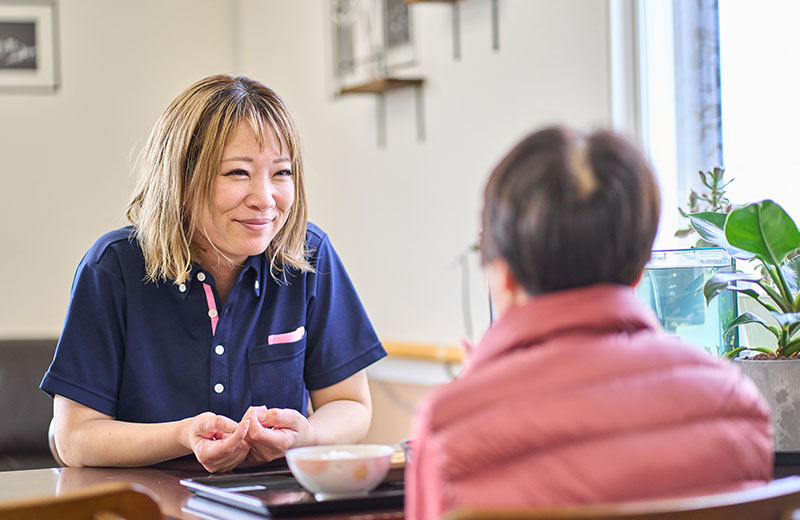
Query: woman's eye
x=236, y=172
x=287, y=172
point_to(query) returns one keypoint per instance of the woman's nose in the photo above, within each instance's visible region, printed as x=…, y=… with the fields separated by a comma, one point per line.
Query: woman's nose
x=262, y=194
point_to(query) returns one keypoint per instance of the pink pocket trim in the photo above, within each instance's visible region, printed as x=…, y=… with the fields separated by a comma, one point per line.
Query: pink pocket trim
x=287, y=337
x=212, y=306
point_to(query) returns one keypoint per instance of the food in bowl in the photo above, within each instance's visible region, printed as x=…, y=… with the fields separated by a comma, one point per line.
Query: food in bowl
x=340, y=470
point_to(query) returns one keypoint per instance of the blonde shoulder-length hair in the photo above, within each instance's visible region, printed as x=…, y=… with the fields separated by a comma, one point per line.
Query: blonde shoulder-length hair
x=178, y=164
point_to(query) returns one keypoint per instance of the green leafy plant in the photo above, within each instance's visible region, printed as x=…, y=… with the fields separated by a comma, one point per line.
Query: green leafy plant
x=714, y=200
x=765, y=233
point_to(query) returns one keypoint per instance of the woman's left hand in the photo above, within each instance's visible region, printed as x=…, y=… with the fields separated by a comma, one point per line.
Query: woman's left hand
x=273, y=431
x=341, y=415
x=218, y=442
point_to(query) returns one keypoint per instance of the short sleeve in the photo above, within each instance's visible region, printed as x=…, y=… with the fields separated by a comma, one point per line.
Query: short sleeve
x=88, y=360
x=341, y=340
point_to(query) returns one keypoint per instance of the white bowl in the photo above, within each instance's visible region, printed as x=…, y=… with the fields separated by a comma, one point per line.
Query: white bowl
x=340, y=470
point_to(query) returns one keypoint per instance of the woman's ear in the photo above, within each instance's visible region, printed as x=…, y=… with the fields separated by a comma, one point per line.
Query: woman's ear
x=638, y=279
x=505, y=290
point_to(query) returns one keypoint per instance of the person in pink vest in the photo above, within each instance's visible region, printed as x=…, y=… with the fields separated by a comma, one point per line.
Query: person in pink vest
x=575, y=395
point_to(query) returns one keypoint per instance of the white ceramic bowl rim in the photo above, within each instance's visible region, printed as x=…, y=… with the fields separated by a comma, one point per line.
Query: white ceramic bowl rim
x=360, y=451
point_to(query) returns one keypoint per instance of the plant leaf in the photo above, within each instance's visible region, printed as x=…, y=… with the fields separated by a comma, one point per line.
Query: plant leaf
x=721, y=281
x=765, y=350
x=786, y=318
x=764, y=229
x=777, y=297
x=702, y=243
x=749, y=317
x=793, y=328
x=791, y=271
x=732, y=354
x=791, y=348
x=754, y=295
x=749, y=292
x=711, y=228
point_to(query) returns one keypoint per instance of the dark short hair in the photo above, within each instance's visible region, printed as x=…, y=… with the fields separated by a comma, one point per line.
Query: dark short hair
x=566, y=210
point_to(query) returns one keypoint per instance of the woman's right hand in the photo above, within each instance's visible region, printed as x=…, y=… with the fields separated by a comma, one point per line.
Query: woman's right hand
x=217, y=441
x=85, y=437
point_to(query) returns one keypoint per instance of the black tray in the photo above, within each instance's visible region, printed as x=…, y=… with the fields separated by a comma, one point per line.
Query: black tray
x=279, y=494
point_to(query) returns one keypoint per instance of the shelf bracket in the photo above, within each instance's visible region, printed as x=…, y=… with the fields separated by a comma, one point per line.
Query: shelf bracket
x=380, y=87
x=420, y=102
x=456, y=19
x=456, y=32
x=380, y=120
x=495, y=27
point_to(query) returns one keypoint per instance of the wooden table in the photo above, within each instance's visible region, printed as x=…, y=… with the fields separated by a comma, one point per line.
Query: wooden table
x=164, y=483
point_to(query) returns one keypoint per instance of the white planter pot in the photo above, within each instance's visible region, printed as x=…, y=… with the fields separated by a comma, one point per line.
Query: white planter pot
x=779, y=381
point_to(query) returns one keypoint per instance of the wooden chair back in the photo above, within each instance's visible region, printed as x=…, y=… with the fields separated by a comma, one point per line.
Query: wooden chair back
x=777, y=500
x=111, y=501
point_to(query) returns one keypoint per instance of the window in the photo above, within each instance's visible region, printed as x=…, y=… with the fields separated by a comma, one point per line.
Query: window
x=673, y=106
x=759, y=43
x=715, y=85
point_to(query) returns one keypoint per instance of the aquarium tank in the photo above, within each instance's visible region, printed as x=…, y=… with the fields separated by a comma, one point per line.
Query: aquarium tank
x=672, y=285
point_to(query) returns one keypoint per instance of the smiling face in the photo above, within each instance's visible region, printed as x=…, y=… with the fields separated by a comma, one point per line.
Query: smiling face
x=253, y=193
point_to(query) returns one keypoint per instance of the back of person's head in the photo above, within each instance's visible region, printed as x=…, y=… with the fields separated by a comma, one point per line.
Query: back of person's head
x=565, y=210
x=180, y=161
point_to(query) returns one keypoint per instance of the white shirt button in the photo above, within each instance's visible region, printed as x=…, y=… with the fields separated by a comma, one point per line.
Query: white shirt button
x=182, y=287
x=257, y=285
x=201, y=277
x=219, y=350
x=212, y=313
x=218, y=388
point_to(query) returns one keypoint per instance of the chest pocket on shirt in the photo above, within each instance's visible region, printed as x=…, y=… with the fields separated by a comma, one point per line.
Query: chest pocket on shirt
x=276, y=374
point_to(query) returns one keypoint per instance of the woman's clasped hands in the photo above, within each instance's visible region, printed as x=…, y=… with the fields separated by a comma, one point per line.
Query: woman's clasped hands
x=220, y=443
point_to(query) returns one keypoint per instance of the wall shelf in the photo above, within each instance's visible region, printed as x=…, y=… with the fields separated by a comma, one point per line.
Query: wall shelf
x=457, y=23
x=379, y=87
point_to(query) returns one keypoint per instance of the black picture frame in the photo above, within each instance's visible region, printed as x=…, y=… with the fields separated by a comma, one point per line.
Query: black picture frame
x=29, y=60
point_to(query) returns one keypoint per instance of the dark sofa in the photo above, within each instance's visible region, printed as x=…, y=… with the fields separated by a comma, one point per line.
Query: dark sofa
x=25, y=411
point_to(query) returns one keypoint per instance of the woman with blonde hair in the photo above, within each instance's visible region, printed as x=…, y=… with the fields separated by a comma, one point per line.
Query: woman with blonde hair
x=208, y=325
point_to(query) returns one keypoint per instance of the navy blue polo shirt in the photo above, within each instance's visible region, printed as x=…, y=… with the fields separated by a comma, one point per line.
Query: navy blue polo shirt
x=156, y=352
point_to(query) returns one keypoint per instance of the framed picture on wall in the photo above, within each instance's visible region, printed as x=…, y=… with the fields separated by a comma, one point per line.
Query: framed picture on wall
x=28, y=46
x=371, y=39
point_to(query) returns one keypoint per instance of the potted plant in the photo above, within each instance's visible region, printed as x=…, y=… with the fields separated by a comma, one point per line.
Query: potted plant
x=763, y=232
x=715, y=199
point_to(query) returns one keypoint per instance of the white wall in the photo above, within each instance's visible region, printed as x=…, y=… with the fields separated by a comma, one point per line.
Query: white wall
x=398, y=215
x=64, y=157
